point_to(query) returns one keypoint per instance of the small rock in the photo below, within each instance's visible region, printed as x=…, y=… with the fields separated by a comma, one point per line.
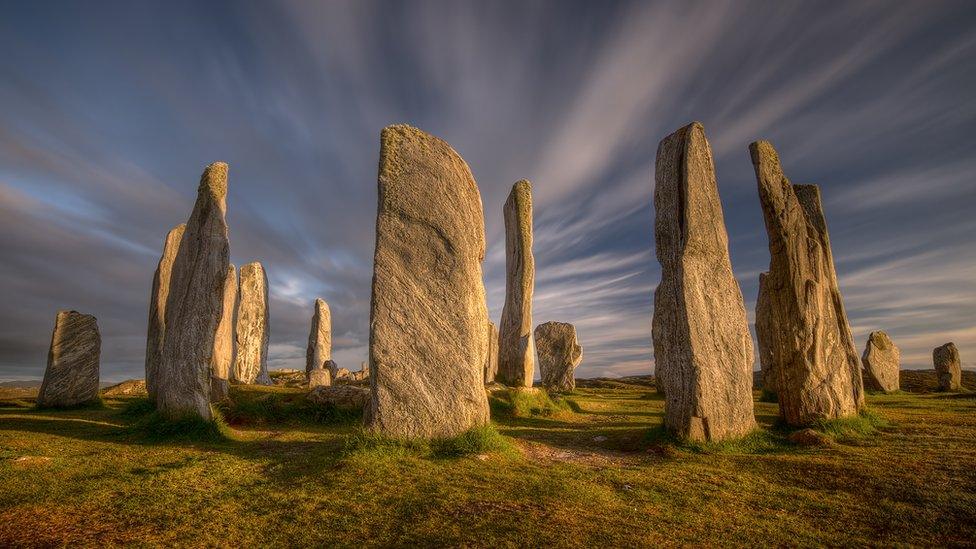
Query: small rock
x=809, y=437
x=341, y=396
x=599, y=438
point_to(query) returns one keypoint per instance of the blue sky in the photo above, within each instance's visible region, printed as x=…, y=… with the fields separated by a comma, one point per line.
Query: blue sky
x=111, y=110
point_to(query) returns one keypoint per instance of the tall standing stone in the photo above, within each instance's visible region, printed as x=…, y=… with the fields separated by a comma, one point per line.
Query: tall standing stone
x=559, y=355
x=516, y=350
x=816, y=367
x=157, y=307
x=223, y=354
x=253, y=332
x=428, y=314
x=491, y=361
x=702, y=346
x=319, y=349
x=71, y=377
x=948, y=367
x=196, y=301
x=882, y=361
x=764, y=333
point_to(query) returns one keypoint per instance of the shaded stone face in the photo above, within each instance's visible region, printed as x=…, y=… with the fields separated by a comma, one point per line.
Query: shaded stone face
x=71, y=377
x=559, y=355
x=702, y=345
x=253, y=332
x=319, y=348
x=319, y=377
x=882, y=361
x=157, y=306
x=948, y=367
x=195, y=303
x=223, y=355
x=765, y=332
x=491, y=361
x=428, y=314
x=516, y=352
x=802, y=328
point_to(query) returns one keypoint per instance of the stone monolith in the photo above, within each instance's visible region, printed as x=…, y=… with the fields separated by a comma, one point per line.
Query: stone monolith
x=559, y=355
x=253, y=330
x=948, y=367
x=71, y=377
x=881, y=360
x=428, y=312
x=702, y=345
x=319, y=348
x=157, y=306
x=319, y=377
x=223, y=353
x=491, y=360
x=810, y=348
x=516, y=352
x=764, y=334
x=195, y=303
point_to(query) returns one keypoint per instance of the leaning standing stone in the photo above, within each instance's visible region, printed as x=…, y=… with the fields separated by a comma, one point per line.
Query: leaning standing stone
x=702, y=346
x=157, y=307
x=195, y=303
x=948, y=367
x=817, y=370
x=428, y=312
x=491, y=361
x=252, y=327
x=71, y=377
x=882, y=361
x=319, y=348
x=516, y=352
x=559, y=355
x=223, y=354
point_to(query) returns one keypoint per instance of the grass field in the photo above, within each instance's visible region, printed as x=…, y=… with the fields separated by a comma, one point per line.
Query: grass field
x=591, y=468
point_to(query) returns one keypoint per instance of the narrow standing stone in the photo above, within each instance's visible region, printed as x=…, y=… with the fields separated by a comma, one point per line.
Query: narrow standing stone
x=195, y=302
x=319, y=338
x=948, y=367
x=428, y=312
x=223, y=354
x=71, y=377
x=765, y=332
x=157, y=307
x=319, y=377
x=491, y=361
x=816, y=367
x=516, y=350
x=253, y=331
x=559, y=355
x=702, y=346
x=882, y=361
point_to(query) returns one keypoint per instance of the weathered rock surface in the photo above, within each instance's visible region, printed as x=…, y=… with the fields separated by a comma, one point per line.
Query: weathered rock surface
x=129, y=387
x=349, y=397
x=342, y=373
x=559, y=355
x=882, y=361
x=157, y=306
x=319, y=377
x=253, y=331
x=319, y=337
x=195, y=303
x=765, y=332
x=702, y=346
x=363, y=372
x=332, y=367
x=71, y=376
x=516, y=352
x=491, y=361
x=428, y=313
x=223, y=354
x=816, y=367
x=948, y=367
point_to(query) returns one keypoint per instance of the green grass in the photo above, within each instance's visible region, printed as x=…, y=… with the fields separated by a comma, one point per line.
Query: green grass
x=590, y=469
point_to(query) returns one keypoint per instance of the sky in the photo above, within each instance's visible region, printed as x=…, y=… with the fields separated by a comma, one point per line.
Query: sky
x=109, y=111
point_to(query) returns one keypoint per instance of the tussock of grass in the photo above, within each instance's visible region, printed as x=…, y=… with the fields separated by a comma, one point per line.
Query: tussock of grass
x=479, y=440
x=758, y=441
x=152, y=426
x=521, y=403
x=293, y=408
x=866, y=423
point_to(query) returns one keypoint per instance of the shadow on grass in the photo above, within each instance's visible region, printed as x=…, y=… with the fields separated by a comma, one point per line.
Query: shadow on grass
x=479, y=440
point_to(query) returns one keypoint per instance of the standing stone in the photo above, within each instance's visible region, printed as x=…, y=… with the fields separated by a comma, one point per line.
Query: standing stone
x=319, y=377
x=428, y=312
x=948, y=367
x=882, y=361
x=223, y=354
x=559, y=355
x=811, y=350
x=252, y=326
x=332, y=367
x=765, y=333
x=71, y=376
x=702, y=346
x=516, y=352
x=157, y=307
x=195, y=303
x=319, y=338
x=491, y=361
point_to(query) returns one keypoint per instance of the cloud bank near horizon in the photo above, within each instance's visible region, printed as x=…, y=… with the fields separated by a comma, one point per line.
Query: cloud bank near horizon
x=108, y=121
